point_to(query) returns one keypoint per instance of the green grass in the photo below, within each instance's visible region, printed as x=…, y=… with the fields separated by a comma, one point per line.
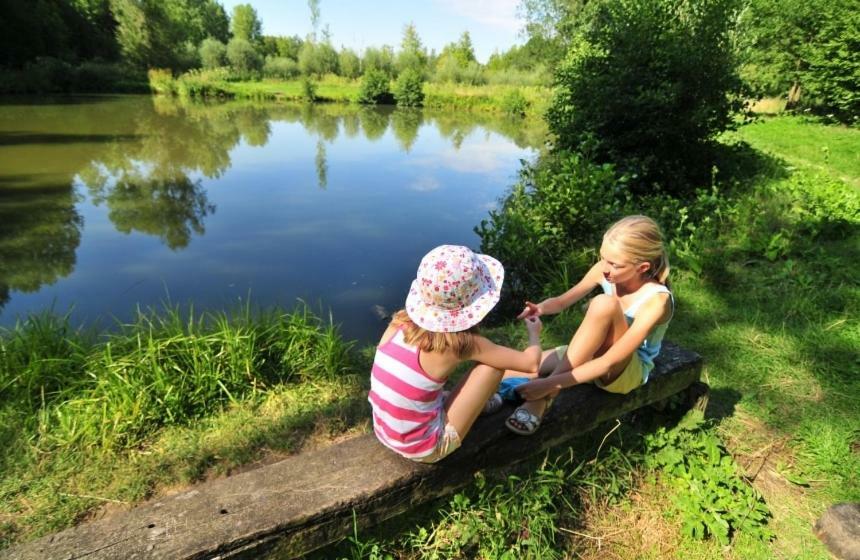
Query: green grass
x=169, y=399
x=774, y=314
x=807, y=143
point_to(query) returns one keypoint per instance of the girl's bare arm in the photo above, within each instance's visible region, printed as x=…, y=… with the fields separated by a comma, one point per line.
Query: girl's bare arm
x=501, y=357
x=559, y=303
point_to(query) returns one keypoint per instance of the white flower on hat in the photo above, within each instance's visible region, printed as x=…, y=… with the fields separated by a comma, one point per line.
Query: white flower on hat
x=454, y=289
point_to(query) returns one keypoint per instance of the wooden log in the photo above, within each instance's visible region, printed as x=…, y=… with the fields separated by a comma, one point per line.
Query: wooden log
x=307, y=501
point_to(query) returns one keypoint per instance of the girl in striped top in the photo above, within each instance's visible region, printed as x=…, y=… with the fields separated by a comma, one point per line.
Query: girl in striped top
x=623, y=328
x=412, y=415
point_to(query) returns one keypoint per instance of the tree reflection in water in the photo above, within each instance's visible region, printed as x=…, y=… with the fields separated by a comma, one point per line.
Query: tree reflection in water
x=146, y=158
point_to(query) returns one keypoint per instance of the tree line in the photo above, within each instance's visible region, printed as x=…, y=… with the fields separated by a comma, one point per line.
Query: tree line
x=803, y=50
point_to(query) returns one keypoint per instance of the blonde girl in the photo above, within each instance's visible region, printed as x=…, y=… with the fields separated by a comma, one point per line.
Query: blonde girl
x=623, y=328
x=412, y=415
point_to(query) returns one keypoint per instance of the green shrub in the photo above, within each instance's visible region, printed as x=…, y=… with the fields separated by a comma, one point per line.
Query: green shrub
x=648, y=85
x=243, y=57
x=560, y=206
x=375, y=88
x=515, y=104
x=280, y=67
x=213, y=53
x=409, y=88
x=804, y=51
x=710, y=497
x=309, y=90
x=161, y=81
x=833, y=78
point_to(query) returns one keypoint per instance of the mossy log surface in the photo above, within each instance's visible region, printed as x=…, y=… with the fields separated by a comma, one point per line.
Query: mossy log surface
x=307, y=501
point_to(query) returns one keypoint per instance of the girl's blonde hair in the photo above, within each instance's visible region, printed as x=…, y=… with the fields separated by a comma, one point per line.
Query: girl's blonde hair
x=640, y=238
x=461, y=343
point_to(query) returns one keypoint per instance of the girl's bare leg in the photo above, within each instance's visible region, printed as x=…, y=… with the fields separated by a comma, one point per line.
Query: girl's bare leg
x=603, y=325
x=467, y=400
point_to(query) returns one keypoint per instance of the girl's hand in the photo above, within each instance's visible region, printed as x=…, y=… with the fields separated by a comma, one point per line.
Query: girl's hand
x=538, y=389
x=531, y=310
x=533, y=325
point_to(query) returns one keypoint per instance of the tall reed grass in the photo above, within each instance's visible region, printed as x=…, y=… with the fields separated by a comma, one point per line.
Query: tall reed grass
x=66, y=388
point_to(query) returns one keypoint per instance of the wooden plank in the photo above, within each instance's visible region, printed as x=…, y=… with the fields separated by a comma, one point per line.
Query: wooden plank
x=307, y=501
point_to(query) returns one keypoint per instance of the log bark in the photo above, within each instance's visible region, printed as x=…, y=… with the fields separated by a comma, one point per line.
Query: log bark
x=308, y=500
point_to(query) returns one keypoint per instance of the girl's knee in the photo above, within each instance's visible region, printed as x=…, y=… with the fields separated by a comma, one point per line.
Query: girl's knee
x=603, y=304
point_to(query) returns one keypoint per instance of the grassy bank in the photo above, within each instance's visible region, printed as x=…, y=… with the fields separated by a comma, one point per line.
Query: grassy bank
x=95, y=424
x=773, y=312
x=90, y=420
x=333, y=89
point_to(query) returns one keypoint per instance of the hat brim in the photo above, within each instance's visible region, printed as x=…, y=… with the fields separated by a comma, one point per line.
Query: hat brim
x=437, y=319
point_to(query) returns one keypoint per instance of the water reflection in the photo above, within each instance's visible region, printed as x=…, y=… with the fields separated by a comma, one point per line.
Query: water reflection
x=39, y=232
x=150, y=164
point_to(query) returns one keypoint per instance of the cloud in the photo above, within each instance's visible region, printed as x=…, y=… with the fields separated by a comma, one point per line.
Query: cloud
x=487, y=157
x=425, y=184
x=500, y=14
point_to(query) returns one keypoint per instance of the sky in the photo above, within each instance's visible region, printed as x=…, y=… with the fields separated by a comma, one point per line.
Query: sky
x=492, y=24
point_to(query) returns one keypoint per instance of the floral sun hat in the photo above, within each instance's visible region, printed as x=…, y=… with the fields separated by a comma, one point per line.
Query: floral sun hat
x=454, y=290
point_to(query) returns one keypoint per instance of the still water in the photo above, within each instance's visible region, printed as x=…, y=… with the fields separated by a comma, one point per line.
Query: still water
x=110, y=203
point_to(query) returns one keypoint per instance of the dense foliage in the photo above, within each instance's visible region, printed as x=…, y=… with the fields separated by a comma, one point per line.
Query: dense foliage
x=375, y=88
x=807, y=51
x=409, y=88
x=648, y=86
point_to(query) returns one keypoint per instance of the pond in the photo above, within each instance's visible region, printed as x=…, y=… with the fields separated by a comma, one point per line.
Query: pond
x=112, y=203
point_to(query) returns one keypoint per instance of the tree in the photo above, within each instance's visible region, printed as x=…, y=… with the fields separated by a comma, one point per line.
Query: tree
x=242, y=56
x=412, y=53
x=349, y=64
x=793, y=48
x=462, y=51
x=245, y=24
x=213, y=53
x=166, y=34
x=314, y=6
x=550, y=24
x=381, y=59
x=375, y=88
x=457, y=62
x=648, y=85
x=409, y=88
x=279, y=46
x=317, y=59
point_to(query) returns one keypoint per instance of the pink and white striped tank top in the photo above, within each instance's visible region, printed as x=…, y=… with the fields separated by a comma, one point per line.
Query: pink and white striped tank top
x=407, y=403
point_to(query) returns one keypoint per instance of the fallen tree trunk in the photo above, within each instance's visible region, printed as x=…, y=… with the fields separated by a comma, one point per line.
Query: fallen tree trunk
x=308, y=500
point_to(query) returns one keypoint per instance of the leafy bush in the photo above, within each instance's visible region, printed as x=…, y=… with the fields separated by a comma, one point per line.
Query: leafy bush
x=280, y=67
x=161, y=81
x=710, y=496
x=375, y=88
x=833, y=78
x=243, y=57
x=309, y=90
x=213, y=53
x=195, y=83
x=804, y=51
x=409, y=88
x=348, y=64
x=450, y=70
x=560, y=205
x=515, y=104
x=648, y=85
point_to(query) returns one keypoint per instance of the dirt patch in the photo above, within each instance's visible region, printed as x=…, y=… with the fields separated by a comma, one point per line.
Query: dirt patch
x=636, y=528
